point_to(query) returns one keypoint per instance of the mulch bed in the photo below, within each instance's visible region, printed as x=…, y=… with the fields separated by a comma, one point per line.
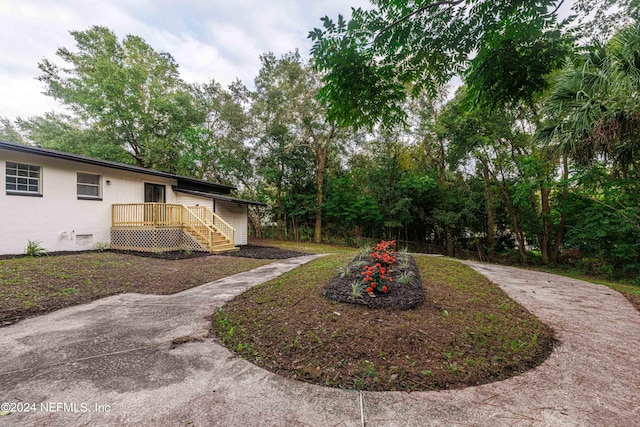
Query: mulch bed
x=171, y=256
x=400, y=296
x=58, y=253
x=247, y=251
x=264, y=252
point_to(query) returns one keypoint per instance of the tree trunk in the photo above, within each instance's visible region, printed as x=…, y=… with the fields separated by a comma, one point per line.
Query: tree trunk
x=321, y=148
x=517, y=230
x=555, y=253
x=443, y=162
x=279, y=213
x=321, y=164
x=296, y=231
x=279, y=224
x=547, y=225
x=254, y=219
x=406, y=236
x=491, y=211
x=450, y=244
x=516, y=225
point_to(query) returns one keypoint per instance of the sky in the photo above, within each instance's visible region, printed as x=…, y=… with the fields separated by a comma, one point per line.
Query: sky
x=209, y=39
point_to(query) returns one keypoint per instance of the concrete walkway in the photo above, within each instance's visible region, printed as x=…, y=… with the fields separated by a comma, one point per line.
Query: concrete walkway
x=111, y=363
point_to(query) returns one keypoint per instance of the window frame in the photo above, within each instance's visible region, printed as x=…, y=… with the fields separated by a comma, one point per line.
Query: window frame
x=29, y=169
x=151, y=190
x=89, y=185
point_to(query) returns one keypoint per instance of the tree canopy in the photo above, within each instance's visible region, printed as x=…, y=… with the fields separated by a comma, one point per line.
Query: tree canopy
x=126, y=91
x=503, y=50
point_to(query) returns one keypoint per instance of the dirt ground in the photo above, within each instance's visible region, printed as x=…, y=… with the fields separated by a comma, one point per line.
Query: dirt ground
x=32, y=286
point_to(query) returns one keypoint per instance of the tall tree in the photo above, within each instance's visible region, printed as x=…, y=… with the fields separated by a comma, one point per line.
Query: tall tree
x=125, y=90
x=217, y=149
x=69, y=134
x=501, y=144
x=286, y=106
x=320, y=135
x=277, y=83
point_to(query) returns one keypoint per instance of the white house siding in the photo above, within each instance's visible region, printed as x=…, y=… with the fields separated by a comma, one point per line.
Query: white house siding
x=235, y=214
x=58, y=219
x=191, y=200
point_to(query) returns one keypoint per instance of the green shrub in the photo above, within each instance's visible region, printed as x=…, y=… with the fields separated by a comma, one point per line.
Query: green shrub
x=35, y=248
x=102, y=246
x=357, y=287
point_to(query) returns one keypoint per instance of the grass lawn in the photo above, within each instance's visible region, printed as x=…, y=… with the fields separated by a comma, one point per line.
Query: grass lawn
x=468, y=331
x=36, y=285
x=631, y=292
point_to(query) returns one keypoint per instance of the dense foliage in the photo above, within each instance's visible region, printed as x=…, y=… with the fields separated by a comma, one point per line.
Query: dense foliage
x=535, y=157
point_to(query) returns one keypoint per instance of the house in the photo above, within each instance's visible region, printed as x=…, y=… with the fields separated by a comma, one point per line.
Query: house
x=69, y=202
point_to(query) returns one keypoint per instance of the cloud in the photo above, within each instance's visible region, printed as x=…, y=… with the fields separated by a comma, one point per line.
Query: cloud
x=35, y=30
x=22, y=96
x=216, y=39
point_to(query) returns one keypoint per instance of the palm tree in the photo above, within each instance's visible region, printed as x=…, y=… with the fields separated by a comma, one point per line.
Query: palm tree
x=594, y=106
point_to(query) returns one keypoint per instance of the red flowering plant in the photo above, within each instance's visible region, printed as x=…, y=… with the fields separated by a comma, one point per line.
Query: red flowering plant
x=377, y=274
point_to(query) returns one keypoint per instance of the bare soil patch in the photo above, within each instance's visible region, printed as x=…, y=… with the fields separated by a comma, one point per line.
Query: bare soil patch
x=467, y=332
x=35, y=285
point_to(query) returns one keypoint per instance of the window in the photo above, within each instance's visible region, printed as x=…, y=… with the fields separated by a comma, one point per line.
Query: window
x=23, y=179
x=89, y=186
x=154, y=193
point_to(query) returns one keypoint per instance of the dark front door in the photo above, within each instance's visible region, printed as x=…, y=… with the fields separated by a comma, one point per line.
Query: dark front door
x=154, y=214
x=154, y=193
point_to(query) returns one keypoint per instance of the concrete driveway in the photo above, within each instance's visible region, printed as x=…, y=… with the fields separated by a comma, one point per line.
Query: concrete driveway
x=111, y=362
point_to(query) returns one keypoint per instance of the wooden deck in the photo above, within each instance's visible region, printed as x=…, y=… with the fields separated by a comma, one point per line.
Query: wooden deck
x=168, y=227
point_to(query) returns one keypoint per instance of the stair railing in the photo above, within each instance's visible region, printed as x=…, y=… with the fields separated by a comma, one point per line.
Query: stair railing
x=213, y=220
x=197, y=224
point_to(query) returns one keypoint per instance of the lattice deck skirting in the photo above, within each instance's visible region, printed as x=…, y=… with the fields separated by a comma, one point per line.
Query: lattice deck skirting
x=154, y=239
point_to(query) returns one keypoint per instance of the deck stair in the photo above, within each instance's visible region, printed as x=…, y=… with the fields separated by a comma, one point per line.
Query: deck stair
x=209, y=230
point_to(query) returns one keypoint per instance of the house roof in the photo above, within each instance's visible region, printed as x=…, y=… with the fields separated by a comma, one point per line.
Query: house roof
x=217, y=197
x=183, y=181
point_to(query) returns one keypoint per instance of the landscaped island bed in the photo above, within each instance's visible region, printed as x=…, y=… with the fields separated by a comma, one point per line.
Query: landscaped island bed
x=467, y=331
x=405, y=293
